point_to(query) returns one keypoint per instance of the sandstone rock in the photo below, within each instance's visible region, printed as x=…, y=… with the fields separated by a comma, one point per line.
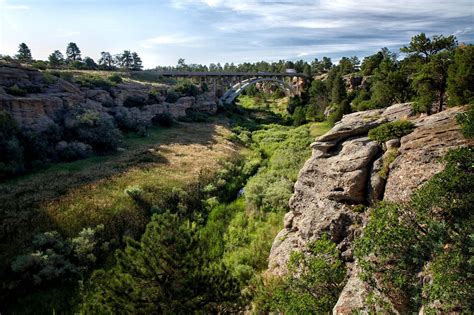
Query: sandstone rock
x=420, y=152
x=359, y=123
x=324, y=188
x=392, y=144
x=124, y=91
x=343, y=170
x=376, y=183
x=27, y=111
x=100, y=96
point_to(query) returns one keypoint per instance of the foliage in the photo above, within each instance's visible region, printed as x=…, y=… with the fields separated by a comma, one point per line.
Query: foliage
x=390, y=156
x=421, y=45
x=299, y=116
x=341, y=109
x=315, y=279
x=92, y=81
x=73, y=53
x=391, y=130
x=461, y=76
x=24, y=54
x=56, y=59
x=161, y=273
x=11, y=151
x=430, y=82
x=164, y=120
x=432, y=234
x=187, y=88
x=171, y=96
x=97, y=129
x=466, y=120
x=16, y=90
x=116, y=78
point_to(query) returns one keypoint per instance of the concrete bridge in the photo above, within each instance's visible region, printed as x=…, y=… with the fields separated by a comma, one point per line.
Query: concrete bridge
x=229, y=85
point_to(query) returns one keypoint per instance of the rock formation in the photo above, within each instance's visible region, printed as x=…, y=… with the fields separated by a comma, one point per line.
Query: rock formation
x=343, y=171
x=49, y=98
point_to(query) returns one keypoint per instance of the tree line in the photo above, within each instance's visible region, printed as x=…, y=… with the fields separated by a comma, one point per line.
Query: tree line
x=127, y=60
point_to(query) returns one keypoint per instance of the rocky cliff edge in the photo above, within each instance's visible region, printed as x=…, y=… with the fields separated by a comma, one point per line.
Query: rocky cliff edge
x=343, y=172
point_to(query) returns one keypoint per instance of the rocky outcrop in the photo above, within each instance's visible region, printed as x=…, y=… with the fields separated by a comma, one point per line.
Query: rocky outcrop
x=54, y=97
x=344, y=170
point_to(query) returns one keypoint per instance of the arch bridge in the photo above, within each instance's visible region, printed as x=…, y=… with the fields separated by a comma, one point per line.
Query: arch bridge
x=231, y=84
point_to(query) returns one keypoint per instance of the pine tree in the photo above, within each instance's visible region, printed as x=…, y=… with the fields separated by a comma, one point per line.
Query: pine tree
x=73, y=52
x=56, y=59
x=136, y=62
x=461, y=76
x=24, y=53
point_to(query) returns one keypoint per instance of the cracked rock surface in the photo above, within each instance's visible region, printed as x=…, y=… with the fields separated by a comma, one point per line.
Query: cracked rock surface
x=343, y=172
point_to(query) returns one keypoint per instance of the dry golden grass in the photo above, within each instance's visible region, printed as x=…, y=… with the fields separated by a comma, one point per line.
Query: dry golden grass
x=71, y=196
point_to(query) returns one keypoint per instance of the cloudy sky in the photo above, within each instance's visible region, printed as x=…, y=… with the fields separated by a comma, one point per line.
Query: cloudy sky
x=204, y=31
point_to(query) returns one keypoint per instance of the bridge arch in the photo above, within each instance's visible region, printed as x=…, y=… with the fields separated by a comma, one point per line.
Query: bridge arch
x=231, y=94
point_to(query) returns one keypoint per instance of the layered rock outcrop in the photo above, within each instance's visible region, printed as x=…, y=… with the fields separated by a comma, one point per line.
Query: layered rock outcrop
x=343, y=171
x=48, y=99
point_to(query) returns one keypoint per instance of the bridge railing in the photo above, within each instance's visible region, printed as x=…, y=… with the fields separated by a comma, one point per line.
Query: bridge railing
x=227, y=74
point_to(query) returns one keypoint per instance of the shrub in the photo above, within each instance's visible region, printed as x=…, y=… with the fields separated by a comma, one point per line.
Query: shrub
x=163, y=120
x=187, y=88
x=116, y=78
x=16, y=91
x=134, y=101
x=389, y=158
x=92, y=81
x=314, y=282
x=299, y=116
x=96, y=129
x=466, y=120
x=391, y=130
x=430, y=236
x=73, y=150
x=171, y=96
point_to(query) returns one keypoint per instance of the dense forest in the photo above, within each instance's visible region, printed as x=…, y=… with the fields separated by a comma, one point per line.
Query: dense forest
x=202, y=245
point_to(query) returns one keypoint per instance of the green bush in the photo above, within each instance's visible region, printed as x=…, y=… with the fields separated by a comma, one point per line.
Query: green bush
x=466, y=120
x=391, y=130
x=432, y=235
x=171, y=96
x=93, y=81
x=116, y=78
x=163, y=120
x=16, y=91
x=187, y=88
x=312, y=286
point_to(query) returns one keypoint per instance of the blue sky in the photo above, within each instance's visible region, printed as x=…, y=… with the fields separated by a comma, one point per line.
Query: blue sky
x=204, y=31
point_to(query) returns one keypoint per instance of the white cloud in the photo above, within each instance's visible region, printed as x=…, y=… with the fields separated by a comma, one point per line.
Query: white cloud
x=13, y=7
x=64, y=33
x=173, y=39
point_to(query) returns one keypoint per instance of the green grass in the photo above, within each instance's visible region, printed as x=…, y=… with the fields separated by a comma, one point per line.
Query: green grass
x=266, y=102
x=70, y=196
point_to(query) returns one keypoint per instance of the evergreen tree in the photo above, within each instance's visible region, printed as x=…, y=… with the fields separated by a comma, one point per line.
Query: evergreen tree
x=164, y=272
x=136, y=62
x=461, y=76
x=89, y=63
x=106, y=59
x=338, y=91
x=56, y=59
x=125, y=59
x=73, y=52
x=421, y=45
x=24, y=53
x=430, y=82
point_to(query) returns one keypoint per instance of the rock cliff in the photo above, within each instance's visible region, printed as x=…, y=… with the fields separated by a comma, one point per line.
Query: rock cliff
x=343, y=172
x=48, y=98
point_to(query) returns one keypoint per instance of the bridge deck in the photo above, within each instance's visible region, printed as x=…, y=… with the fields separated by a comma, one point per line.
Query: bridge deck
x=227, y=74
